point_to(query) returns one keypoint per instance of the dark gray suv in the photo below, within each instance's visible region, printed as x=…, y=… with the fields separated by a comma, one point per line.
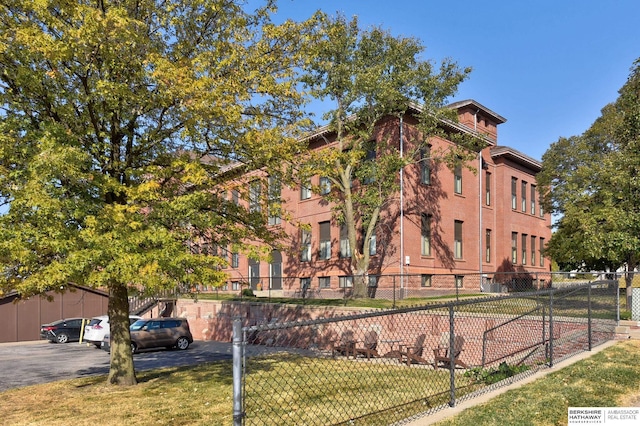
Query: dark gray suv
x=160, y=332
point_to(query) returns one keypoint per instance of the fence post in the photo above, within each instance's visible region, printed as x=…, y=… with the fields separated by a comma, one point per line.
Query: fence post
x=551, y=329
x=238, y=355
x=589, y=316
x=452, y=365
x=394, y=291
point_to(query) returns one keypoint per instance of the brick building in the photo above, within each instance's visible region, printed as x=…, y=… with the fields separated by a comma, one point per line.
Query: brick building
x=445, y=223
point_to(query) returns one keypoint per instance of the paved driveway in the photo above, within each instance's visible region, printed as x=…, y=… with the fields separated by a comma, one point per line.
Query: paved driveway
x=28, y=363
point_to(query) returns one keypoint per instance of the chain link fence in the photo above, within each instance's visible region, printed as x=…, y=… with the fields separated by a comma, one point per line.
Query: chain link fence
x=384, y=367
x=407, y=286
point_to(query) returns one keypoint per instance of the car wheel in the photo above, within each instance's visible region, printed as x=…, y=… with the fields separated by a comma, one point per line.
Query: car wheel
x=182, y=343
x=62, y=338
x=134, y=348
x=97, y=345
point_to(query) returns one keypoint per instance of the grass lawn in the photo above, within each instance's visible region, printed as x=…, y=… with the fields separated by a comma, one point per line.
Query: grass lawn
x=610, y=378
x=202, y=396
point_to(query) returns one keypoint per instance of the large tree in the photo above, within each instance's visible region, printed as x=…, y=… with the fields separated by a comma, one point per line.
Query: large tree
x=364, y=76
x=123, y=125
x=591, y=183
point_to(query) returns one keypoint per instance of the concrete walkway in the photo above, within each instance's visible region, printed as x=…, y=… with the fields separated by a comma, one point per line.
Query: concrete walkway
x=626, y=330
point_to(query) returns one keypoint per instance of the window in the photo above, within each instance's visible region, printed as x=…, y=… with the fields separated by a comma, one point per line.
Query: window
x=235, y=197
x=457, y=179
x=305, y=284
x=457, y=239
x=524, y=249
x=487, y=246
x=425, y=234
x=373, y=245
x=235, y=285
x=425, y=280
x=459, y=280
x=533, y=250
x=225, y=287
x=372, y=281
x=523, y=193
x=324, y=282
x=235, y=260
x=254, y=196
x=345, y=247
x=514, y=247
x=514, y=195
x=541, y=251
x=369, y=163
x=425, y=165
x=541, y=210
x=305, y=245
x=533, y=199
x=275, y=190
x=305, y=191
x=325, y=240
x=325, y=185
x=487, y=188
x=345, y=281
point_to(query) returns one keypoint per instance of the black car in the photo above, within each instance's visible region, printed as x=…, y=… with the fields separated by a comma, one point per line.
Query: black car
x=64, y=330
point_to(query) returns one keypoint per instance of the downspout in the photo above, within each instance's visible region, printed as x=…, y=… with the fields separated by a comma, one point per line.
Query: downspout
x=475, y=129
x=401, y=209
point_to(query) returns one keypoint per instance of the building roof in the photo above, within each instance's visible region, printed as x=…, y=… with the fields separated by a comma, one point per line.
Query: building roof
x=515, y=156
x=416, y=108
x=486, y=111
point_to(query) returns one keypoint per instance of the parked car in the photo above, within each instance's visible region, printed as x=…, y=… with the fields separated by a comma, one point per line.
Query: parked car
x=157, y=333
x=63, y=331
x=95, y=331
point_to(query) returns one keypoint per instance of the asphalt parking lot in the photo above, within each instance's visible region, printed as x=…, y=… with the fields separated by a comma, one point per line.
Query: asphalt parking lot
x=29, y=363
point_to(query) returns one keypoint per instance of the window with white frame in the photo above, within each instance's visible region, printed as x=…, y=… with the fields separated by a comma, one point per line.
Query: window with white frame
x=305, y=190
x=325, y=240
x=372, y=281
x=487, y=246
x=457, y=179
x=324, y=282
x=425, y=165
x=524, y=249
x=487, y=188
x=514, y=247
x=523, y=194
x=533, y=250
x=325, y=185
x=425, y=234
x=459, y=281
x=425, y=280
x=533, y=199
x=275, y=201
x=457, y=251
x=345, y=281
x=514, y=193
x=305, y=245
x=254, y=196
x=345, y=247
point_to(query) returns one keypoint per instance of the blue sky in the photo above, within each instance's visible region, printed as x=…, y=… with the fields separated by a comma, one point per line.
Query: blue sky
x=548, y=67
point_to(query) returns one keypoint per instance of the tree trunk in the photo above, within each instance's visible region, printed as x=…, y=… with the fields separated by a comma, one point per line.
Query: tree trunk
x=121, y=370
x=359, y=285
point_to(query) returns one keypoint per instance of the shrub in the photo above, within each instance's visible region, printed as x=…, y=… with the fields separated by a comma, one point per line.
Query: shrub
x=490, y=376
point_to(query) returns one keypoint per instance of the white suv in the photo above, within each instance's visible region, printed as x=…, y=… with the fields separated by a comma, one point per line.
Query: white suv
x=99, y=326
